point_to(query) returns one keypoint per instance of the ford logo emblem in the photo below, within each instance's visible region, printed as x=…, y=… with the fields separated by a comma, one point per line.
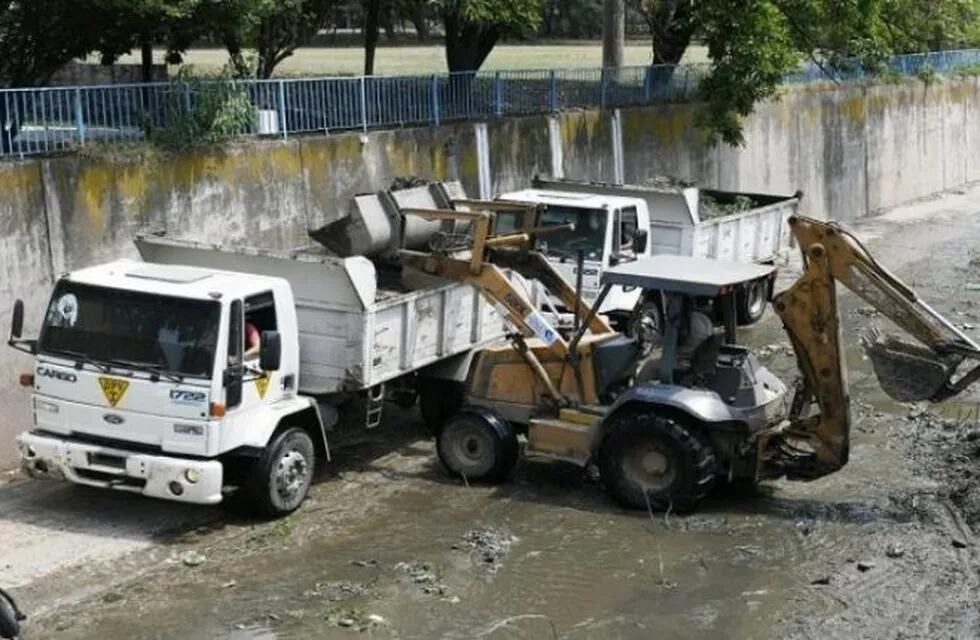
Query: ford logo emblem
x=113, y=418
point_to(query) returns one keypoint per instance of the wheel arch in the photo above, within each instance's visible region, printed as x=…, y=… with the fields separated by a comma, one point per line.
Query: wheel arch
x=308, y=419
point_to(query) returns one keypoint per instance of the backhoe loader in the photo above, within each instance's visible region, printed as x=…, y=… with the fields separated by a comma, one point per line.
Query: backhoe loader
x=662, y=425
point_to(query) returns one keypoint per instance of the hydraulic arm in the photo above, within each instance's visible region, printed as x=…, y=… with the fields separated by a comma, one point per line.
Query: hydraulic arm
x=813, y=445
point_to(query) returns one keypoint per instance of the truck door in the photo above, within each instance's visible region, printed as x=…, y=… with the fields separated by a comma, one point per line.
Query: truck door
x=253, y=388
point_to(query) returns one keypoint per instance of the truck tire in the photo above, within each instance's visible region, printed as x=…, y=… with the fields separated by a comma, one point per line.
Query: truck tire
x=10, y=617
x=439, y=400
x=280, y=479
x=649, y=461
x=478, y=446
x=646, y=326
x=751, y=303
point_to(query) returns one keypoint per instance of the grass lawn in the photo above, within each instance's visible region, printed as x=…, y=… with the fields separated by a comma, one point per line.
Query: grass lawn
x=408, y=60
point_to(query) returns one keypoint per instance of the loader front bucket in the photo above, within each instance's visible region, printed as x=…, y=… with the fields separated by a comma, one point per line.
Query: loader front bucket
x=907, y=372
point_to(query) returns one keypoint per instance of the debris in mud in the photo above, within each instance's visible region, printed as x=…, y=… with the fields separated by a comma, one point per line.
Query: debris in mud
x=867, y=312
x=425, y=576
x=821, y=581
x=775, y=349
x=894, y=550
x=364, y=563
x=335, y=591
x=488, y=546
x=355, y=619
x=865, y=565
x=959, y=543
x=193, y=558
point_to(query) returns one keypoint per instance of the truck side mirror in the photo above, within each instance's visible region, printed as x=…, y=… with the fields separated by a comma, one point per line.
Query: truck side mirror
x=17, y=324
x=270, y=351
x=640, y=241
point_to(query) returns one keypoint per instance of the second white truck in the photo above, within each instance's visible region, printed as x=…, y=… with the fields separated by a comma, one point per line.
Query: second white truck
x=619, y=223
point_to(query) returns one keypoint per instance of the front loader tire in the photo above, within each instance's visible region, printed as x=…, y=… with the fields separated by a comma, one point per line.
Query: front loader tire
x=280, y=479
x=477, y=445
x=656, y=462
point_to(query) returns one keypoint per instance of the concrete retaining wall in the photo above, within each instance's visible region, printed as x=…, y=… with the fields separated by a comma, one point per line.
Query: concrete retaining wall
x=852, y=150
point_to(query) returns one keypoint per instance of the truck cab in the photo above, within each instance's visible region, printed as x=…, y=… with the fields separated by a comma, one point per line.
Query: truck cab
x=610, y=230
x=173, y=382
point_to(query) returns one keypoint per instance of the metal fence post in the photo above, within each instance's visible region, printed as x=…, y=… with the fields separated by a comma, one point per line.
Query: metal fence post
x=498, y=91
x=435, y=100
x=79, y=119
x=364, y=116
x=552, y=91
x=648, y=84
x=602, y=89
x=281, y=107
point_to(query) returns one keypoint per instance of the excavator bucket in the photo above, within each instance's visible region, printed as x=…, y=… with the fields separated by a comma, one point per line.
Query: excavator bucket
x=907, y=372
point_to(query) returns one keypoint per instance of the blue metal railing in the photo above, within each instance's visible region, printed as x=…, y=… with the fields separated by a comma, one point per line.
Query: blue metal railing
x=45, y=120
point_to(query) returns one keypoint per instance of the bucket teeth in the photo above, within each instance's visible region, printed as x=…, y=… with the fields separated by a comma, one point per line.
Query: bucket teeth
x=906, y=372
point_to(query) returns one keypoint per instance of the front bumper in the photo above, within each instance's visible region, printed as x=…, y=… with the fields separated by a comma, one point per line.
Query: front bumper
x=44, y=456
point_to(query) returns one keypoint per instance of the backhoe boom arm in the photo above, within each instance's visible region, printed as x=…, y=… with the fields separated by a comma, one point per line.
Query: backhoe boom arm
x=810, y=446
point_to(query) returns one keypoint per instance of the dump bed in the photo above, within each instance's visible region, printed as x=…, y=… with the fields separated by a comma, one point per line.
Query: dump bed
x=357, y=328
x=704, y=223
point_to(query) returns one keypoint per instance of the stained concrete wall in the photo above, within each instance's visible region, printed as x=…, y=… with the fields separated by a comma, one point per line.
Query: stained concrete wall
x=852, y=150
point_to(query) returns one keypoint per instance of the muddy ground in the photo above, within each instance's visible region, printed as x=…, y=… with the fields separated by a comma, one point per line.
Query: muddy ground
x=387, y=546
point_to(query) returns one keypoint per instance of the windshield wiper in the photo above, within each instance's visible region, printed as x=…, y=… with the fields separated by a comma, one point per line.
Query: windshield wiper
x=81, y=359
x=149, y=367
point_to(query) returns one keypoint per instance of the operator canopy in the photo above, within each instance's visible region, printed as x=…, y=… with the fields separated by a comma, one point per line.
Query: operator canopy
x=685, y=275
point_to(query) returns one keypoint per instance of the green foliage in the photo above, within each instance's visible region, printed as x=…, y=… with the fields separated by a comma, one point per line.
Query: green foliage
x=750, y=51
x=219, y=110
x=928, y=74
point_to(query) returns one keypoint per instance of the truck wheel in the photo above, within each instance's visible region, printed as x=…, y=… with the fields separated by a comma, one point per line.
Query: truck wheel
x=279, y=481
x=478, y=446
x=650, y=461
x=10, y=617
x=646, y=326
x=439, y=400
x=751, y=303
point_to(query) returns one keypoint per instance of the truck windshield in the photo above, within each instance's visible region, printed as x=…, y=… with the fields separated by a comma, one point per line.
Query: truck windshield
x=589, y=234
x=130, y=328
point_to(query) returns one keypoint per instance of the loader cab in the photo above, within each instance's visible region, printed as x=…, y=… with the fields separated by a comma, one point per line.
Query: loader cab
x=694, y=349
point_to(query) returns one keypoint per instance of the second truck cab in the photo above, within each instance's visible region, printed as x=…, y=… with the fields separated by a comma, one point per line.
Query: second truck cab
x=608, y=229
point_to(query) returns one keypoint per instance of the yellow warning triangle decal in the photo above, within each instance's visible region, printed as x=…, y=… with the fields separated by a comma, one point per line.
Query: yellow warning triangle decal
x=113, y=389
x=262, y=385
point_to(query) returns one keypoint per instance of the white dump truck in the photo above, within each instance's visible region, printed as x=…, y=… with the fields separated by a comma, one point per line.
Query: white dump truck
x=205, y=368
x=618, y=223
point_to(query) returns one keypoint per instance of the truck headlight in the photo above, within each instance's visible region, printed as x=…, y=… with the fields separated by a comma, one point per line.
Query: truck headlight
x=44, y=405
x=192, y=476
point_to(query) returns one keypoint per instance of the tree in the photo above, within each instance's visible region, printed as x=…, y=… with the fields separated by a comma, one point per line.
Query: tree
x=473, y=27
x=372, y=22
x=125, y=25
x=416, y=12
x=38, y=37
x=671, y=24
x=613, y=33
x=274, y=29
x=752, y=48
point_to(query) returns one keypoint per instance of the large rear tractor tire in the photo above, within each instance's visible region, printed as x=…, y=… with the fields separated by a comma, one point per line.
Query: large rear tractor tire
x=280, y=480
x=648, y=461
x=478, y=446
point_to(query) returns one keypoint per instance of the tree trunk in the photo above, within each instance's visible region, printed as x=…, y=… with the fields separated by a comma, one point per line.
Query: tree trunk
x=671, y=28
x=146, y=54
x=372, y=14
x=468, y=44
x=613, y=33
